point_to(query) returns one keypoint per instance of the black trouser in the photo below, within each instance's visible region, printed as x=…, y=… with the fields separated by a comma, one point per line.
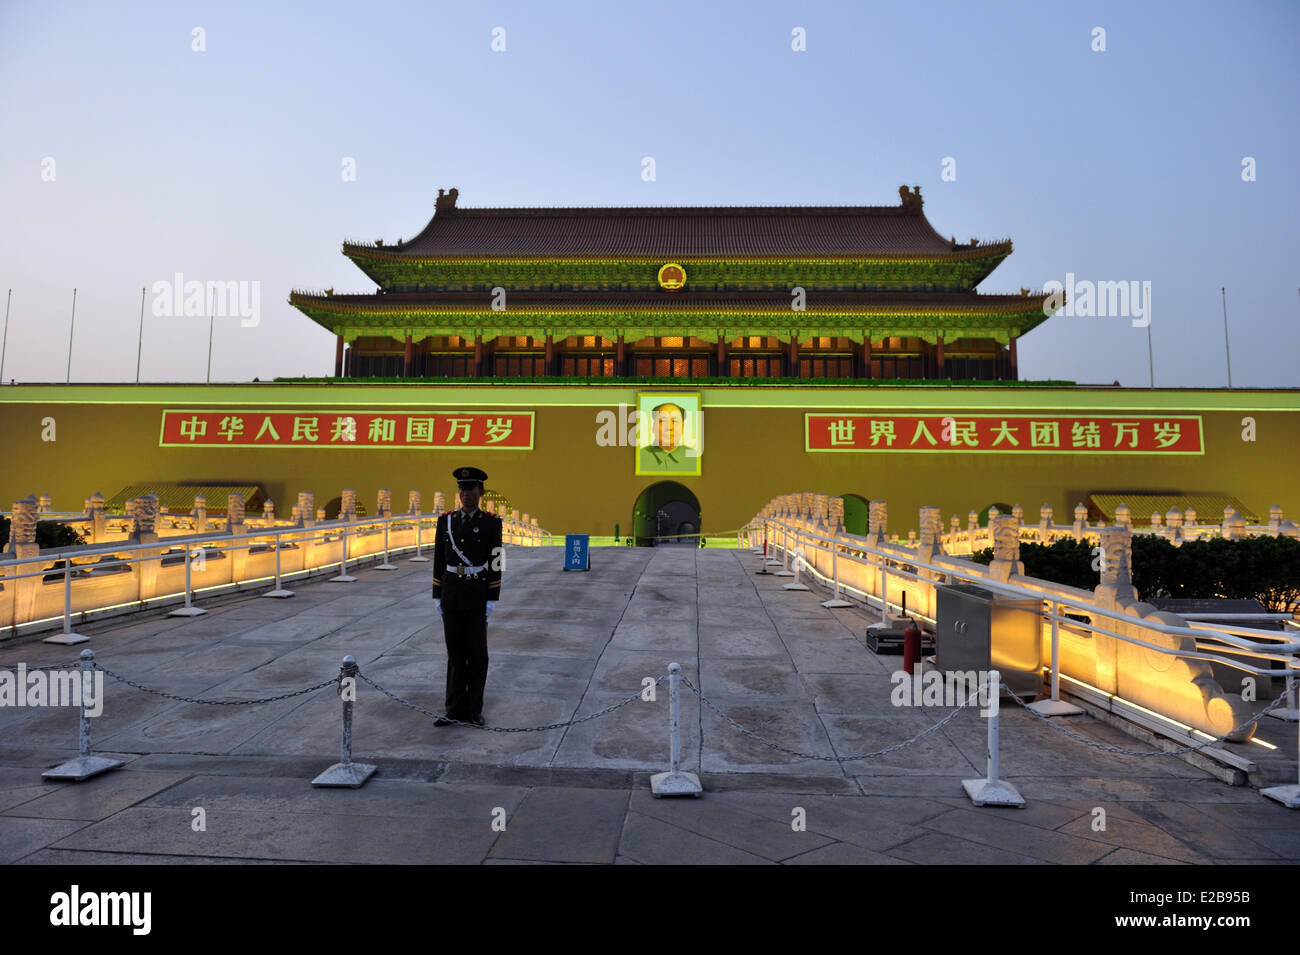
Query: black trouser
x=465, y=633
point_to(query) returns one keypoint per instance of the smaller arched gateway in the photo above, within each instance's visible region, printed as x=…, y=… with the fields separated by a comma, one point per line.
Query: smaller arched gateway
x=666, y=513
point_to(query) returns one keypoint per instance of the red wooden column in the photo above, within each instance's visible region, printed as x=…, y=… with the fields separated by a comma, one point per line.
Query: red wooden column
x=865, y=356
x=478, y=356
x=794, y=357
x=410, y=357
x=722, y=356
x=550, y=356
x=938, y=358
x=620, y=357
x=338, y=356
x=1013, y=373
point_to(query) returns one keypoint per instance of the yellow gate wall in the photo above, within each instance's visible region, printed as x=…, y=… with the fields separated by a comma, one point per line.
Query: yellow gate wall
x=107, y=436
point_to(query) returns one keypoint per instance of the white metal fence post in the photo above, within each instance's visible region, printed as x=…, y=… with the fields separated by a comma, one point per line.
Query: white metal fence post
x=279, y=590
x=992, y=791
x=67, y=638
x=1055, y=706
x=188, y=610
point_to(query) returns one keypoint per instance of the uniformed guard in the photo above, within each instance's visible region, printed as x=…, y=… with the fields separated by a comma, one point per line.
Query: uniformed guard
x=466, y=585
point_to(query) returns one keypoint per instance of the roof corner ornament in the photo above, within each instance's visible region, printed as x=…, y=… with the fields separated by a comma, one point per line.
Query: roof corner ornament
x=446, y=201
x=911, y=200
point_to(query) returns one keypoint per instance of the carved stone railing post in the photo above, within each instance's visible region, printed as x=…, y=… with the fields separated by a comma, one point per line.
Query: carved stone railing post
x=877, y=522
x=1116, y=565
x=200, y=514
x=1080, y=521
x=835, y=516
x=439, y=502
x=45, y=505
x=306, y=508
x=268, y=511
x=931, y=546
x=19, y=596
x=972, y=529
x=235, y=516
x=955, y=528
x=348, y=509
x=413, y=502
x=1124, y=517
x=98, y=518
x=144, y=531
x=1006, y=548
x=236, y=523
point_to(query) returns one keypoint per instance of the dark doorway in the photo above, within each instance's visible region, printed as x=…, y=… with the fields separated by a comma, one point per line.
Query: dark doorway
x=666, y=513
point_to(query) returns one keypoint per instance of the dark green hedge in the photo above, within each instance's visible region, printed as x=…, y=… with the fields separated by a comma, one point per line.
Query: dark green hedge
x=1266, y=569
x=48, y=534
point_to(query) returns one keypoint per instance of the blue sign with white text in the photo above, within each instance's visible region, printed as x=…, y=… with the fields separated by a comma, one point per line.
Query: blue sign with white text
x=575, y=551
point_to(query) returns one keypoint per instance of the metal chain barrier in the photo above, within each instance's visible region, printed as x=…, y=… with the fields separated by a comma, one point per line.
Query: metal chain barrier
x=833, y=759
x=505, y=729
x=44, y=666
x=1139, y=753
x=188, y=699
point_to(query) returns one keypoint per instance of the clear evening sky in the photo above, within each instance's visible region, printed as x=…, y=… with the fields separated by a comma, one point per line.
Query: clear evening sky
x=226, y=164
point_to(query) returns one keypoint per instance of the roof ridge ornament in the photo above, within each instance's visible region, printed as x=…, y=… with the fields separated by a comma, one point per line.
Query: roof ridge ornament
x=446, y=202
x=911, y=200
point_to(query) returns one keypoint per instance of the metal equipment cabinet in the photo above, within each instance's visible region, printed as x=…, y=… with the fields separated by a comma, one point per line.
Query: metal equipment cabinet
x=975, y=629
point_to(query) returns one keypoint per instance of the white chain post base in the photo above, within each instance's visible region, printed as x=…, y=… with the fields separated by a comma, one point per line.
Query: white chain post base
x=346, y=774
x=675, y=782
x=992, y=791
x=84, y=765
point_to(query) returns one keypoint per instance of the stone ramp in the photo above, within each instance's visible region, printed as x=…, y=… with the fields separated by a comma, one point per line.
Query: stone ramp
x=564, y=645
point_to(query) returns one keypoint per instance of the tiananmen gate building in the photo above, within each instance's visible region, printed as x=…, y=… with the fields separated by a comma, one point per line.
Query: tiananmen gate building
x=680, y=293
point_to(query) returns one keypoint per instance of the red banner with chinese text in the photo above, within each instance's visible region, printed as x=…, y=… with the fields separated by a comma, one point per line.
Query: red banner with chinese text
x=242, y=428
x=1054, y=434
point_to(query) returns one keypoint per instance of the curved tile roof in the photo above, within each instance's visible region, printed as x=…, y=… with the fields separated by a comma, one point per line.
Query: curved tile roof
x=666, y=231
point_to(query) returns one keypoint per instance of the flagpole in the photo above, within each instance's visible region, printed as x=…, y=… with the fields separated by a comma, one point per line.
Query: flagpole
x=140, y=341
x=1227, y=354
x=5, y=344
x=211, y=318
x=1151, y=361
x=71, y=327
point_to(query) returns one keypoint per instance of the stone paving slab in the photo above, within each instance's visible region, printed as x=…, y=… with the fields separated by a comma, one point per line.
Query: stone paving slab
x=564, y=645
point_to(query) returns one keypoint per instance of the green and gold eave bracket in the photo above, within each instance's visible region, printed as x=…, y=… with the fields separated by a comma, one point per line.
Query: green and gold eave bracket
x=354, y=321
x=804, y=399
x=957, y=271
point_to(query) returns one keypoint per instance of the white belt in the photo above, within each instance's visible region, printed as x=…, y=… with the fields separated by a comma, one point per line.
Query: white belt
x=460, y=570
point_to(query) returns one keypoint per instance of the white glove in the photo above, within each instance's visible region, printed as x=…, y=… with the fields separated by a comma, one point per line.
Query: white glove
x=437, y=605
x=488, y=612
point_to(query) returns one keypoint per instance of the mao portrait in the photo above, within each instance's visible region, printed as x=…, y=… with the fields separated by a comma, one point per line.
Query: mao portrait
x=668, y=434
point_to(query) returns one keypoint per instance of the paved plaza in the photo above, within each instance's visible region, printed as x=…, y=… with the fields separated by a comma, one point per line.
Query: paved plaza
x=564, y=646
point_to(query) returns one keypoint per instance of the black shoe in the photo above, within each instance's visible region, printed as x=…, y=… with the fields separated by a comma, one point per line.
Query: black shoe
x=478, y=720
x=443, y=721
